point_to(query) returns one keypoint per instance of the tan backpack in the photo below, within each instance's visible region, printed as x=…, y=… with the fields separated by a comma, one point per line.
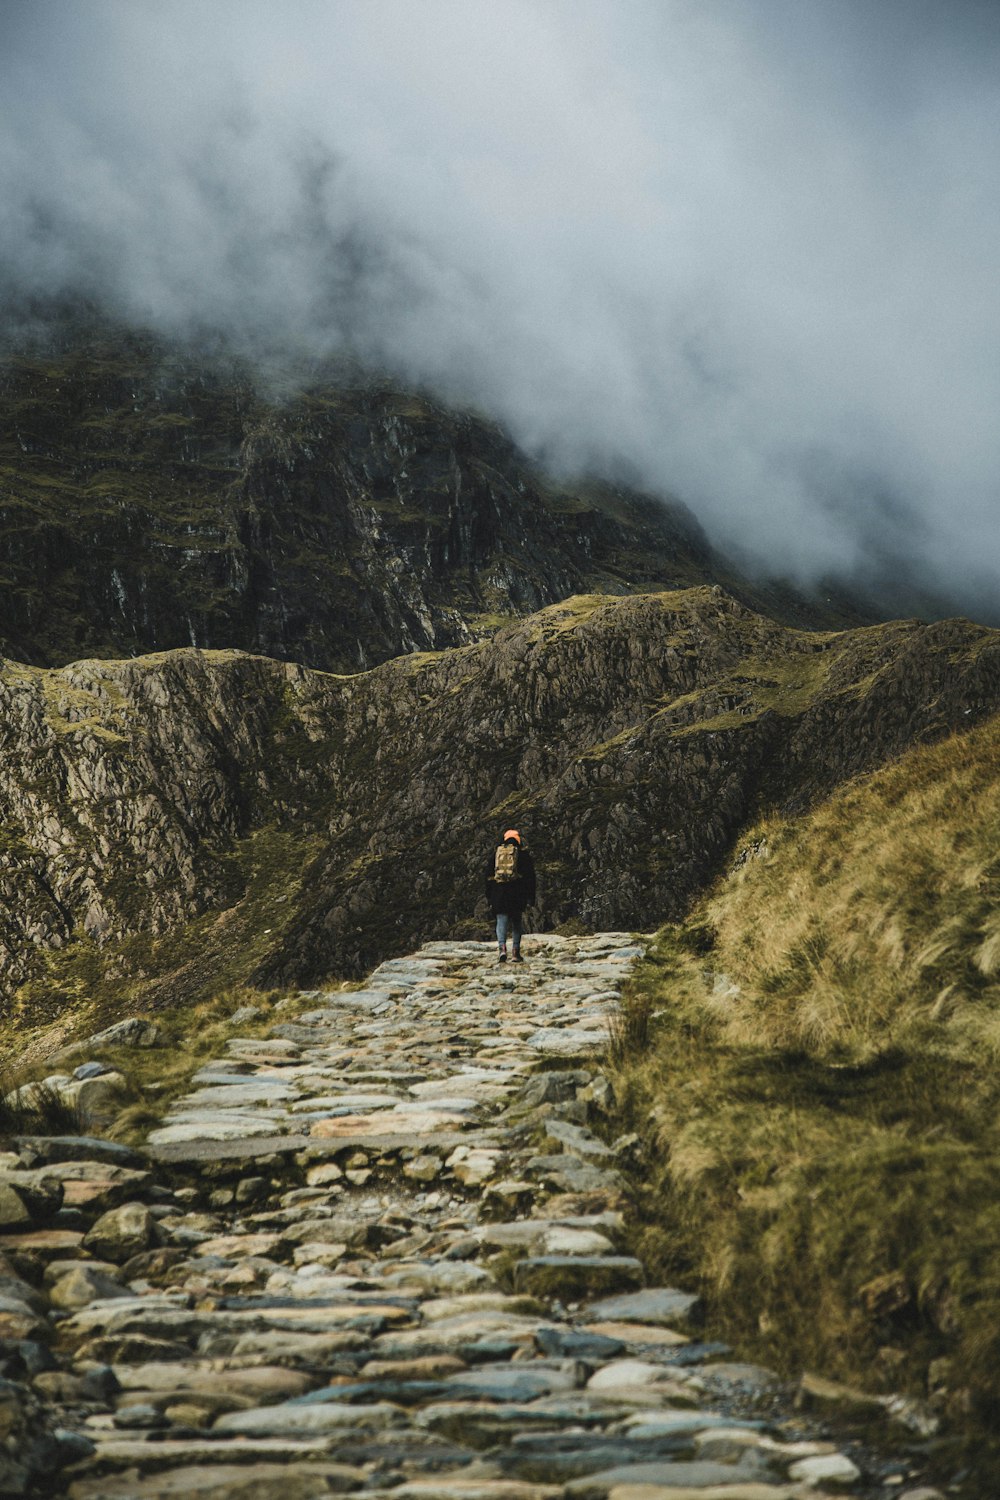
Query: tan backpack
x=505, y=864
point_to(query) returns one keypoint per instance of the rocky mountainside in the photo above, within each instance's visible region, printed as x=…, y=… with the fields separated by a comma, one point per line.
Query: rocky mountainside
x=152, y=499
x=192, y=819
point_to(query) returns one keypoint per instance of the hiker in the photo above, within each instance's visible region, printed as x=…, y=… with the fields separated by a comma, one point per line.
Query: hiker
x=510, y=887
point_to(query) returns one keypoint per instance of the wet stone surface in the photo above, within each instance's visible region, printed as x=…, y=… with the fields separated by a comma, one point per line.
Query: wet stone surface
x=381, y=1251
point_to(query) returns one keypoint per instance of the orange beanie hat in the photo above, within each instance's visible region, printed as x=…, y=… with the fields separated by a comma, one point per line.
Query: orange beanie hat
x=512, y=833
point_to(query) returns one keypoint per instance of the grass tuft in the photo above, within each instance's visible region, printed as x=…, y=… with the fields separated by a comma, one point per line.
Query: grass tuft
x=628, y=1028
x=36, y=1108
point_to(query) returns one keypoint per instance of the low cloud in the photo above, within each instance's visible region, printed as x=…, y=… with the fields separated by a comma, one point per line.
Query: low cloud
x=743, y=254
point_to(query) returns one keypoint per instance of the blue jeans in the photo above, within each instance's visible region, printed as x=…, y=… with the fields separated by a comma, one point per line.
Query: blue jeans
x=514, y=924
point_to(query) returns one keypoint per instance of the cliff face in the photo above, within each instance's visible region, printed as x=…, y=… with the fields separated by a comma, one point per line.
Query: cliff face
x=150, y=501
x=193, y=819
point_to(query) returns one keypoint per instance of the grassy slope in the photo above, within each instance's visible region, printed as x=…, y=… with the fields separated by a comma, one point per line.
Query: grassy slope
x=821, y=1088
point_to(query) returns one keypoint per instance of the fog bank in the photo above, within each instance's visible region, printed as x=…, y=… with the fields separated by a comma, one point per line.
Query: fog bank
x=744, y=254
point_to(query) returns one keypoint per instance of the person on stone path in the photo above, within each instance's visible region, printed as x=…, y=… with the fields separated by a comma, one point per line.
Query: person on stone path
x=510, y=887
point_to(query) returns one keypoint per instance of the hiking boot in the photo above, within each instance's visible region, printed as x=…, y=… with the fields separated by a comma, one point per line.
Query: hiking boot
x=501, y=958
x=518, y=959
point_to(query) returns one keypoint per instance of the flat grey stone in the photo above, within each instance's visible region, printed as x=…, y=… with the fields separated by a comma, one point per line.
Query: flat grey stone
x=696, y=1474
x=122, y=1453
x=449, y=1334
x=352, y=1104
x=219, y=1074
x=260, y=1381
x=560, y=1239
x=441, y=1277
x=216, y=1476
x=152, y=1317
x=568, y=1041
x=139, y=1415
x=41, y=1149
x=730, y=1378
x=360, y=1000
x=220, y=1125
x=517, y=1382
x=508, y=1234
x=244, y=1014
x=195, y=1152
x=577, y=1140
x=570, y=1175
x=398, y=1392
x=831, y=1468
x=236, y=1094
x=648, y=1425
x=475, y=1422
x=283, y=1421
x=291, y=1345
x=555, y=1458
x=664, y=1306
x=570, y=1344
x=90, y=1070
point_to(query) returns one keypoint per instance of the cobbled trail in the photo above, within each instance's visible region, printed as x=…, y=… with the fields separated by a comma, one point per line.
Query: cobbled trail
x=381, y=1251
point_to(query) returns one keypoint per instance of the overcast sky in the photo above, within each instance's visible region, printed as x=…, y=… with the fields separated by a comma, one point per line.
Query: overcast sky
x=745, y=251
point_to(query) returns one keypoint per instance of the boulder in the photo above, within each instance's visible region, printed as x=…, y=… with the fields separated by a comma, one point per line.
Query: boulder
x=134, y=1031
x=93, y=1096
x=832, y=1469
x=82, y=1285
x=14, y=1213
x=39, y=1196
x=122, y=1233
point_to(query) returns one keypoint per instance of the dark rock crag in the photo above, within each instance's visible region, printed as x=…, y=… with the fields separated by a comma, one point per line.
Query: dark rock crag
x=151, y=500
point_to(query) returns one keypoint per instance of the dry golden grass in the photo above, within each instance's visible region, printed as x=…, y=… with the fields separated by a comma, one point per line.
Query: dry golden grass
x=875, y=916
x=36, y=1110
x=820, y=1096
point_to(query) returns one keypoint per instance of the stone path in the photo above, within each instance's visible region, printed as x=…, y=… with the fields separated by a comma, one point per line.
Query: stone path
x=381, y=1251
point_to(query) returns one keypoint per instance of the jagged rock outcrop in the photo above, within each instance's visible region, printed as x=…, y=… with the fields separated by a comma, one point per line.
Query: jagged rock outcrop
x=152, y=500
x=192, y=819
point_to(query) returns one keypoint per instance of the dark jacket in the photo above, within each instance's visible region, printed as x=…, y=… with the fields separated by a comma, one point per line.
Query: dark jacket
x=511, y=896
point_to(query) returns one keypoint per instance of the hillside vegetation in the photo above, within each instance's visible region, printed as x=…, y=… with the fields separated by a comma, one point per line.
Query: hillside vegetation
x=820, y=1088
x=195, y=820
